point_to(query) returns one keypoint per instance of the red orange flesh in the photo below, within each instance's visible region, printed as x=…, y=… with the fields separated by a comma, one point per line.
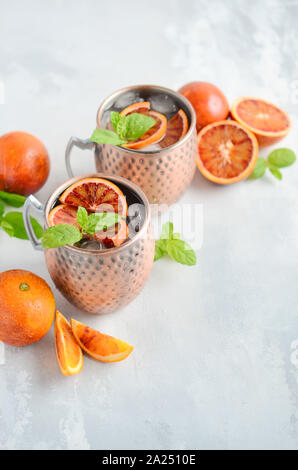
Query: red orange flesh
x=101, y=347
x=269, y=123
x=176, y=129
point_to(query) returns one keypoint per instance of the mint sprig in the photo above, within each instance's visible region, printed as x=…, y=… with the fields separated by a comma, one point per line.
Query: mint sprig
x=12, y=222
x=279, y=158
x=66, y=234
x=130, y=127
x=11, y=199
x=171, y=245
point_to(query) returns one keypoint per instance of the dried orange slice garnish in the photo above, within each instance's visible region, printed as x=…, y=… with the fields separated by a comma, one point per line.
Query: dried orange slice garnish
x=101, y=347
x=68, y=351
x=227, y=152
x=96, y=195
x=152, y=135
x=269, y=123
x=176, y=129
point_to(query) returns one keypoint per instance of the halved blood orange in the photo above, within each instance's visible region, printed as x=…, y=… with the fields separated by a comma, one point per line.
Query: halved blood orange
x=152, y=135
x=114, y=235
x=227, y=152
x=63, y=214
x=176, y=129
x=68, y=351
x=269, y=123
x=101, y=347
x=96, y=195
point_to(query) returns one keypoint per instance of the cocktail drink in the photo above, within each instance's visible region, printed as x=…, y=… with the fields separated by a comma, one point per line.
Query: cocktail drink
x=109, y=265
x=163, y=160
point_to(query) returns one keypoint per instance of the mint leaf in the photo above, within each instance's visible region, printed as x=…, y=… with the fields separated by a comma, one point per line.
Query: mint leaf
x=101, y=221
x=6, y=227
x=2, y=208
x=275, y=172
x=15, y=220
x=104, y=136
x=167, y=231
x=133, y=126
x=82, y=217
x=137, y=124
x=259, y=169
x=282, y=158
x=176, y=236
x=160, y=249
x=60, y=235
x=115, y=118
x=11, y=199
x=181, y=252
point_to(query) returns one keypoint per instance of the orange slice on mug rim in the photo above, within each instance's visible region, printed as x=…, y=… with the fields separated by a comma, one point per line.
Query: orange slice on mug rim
x=269, y=123
x=96, y=195
x=69, y=353
x=227, y=152
x=155, y=133
x=176, y=129
x=101, y=347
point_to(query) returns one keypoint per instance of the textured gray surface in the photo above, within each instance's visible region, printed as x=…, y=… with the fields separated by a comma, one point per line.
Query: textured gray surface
x=212, y=362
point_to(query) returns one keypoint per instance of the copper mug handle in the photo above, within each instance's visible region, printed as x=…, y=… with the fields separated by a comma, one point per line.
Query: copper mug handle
x=32, y=202
x=76, y=142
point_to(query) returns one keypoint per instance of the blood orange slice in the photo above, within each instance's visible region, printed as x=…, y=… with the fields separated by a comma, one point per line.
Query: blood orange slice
x=176, y=129
x=101, y=347
x=68, y=351
x=227, y=152
x=96, y=195
x=268, y=122
x=63, y=214
x=152, y=135
x=113, y=236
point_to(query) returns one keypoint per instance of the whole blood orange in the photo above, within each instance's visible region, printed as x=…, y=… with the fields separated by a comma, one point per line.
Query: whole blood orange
x=227, y=152
x=209, y=103
x=269, y=123
x=24, y=163
x=27, y=307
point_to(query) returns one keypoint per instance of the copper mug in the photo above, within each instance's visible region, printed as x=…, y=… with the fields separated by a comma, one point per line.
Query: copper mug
x=162, y=174
x=97, y=281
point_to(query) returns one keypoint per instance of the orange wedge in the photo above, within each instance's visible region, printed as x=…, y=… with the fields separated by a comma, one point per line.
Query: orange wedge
x=152, y=135
x=101, y=347
x=96, y=195
x=68, y=351
x=63, y=214
x=227, y=152
x=269, y=123
x=176, y=129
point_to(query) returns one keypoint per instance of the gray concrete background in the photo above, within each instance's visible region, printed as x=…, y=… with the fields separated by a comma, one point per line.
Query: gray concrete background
x=212, y=365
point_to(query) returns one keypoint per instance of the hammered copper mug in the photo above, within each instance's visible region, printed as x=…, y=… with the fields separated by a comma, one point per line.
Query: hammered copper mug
x=98, y=281
x=162, y=174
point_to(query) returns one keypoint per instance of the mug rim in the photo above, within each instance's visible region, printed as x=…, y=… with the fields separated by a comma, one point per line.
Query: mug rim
x=163, y=90
x=114, y=179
